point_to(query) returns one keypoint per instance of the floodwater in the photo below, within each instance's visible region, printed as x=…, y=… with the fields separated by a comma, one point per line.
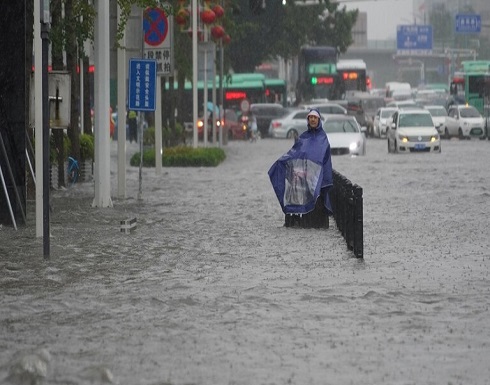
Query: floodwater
x=211, y=288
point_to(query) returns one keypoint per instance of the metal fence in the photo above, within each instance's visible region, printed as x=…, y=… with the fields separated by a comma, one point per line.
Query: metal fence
x=346, y=199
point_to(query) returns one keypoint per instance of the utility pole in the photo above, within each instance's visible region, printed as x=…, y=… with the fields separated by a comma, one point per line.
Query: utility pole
x=45, y=136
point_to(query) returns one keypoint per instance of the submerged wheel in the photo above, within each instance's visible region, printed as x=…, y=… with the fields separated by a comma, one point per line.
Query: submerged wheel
x=460, y=133
x=292, y=134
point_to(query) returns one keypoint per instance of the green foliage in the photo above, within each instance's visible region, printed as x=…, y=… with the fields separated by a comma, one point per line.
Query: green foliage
x=281, y=29
x=182, y=156
x=149, y=136
x=53, y=151
x=86, y=147
x=169, y=137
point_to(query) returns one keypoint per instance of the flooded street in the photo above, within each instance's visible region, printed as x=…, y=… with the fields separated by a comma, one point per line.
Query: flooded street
x=211, y=288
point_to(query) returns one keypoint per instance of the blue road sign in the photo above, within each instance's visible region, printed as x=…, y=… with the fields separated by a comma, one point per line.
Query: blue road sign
x=142, y=84
x=414, y=39
x=468, y=23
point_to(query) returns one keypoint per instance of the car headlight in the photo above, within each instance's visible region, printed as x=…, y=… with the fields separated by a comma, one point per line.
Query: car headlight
x=403, y=138
x=434, y=138
x=354, y=146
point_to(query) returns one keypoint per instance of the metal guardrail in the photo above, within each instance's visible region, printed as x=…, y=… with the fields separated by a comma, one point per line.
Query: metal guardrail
x=347, y=205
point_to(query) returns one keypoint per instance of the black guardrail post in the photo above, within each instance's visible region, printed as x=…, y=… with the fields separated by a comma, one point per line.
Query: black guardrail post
x=347, y=204
x=358, y=222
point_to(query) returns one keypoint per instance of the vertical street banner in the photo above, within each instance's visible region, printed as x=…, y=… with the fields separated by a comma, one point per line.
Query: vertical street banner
x=142, y=84
x=158, y=39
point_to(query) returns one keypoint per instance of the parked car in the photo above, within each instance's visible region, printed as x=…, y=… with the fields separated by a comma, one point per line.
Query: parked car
x=290, y=125
x=381, y=119
x=345, y=135
x=412, y=130
x=464, y=122
x=264, y=113
x=439, y=115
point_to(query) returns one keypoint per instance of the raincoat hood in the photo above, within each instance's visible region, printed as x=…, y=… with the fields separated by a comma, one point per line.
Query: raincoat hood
x=316, y=113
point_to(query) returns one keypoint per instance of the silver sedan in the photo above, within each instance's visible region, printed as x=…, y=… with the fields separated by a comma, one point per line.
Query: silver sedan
x=290, y=125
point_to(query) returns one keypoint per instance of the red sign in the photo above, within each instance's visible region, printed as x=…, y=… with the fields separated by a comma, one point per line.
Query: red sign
x=235, y=95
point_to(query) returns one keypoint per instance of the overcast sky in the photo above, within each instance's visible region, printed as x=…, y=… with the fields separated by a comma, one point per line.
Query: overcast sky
x=383, y=16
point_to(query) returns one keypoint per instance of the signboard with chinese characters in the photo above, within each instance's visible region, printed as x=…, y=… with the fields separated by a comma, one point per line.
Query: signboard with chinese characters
x=142, y=85
x=158, y=45
x=414, y=39
x=468, y=23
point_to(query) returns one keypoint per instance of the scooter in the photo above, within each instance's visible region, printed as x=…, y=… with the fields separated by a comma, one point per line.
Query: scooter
x=247, y=130
x=249, y=127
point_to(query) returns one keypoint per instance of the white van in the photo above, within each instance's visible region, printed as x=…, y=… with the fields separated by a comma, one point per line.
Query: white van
x=398, y=90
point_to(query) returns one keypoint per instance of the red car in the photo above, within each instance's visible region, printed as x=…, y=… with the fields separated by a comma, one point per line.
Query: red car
x=234, y=126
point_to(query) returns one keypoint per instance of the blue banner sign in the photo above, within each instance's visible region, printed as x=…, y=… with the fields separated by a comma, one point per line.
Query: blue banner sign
x=468, y=23
x=142, y=84
x=414, y=39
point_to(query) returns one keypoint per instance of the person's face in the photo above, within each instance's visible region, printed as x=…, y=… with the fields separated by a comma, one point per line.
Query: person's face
x=313, y=121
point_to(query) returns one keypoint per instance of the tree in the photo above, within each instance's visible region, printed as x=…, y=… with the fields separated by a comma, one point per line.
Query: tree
x=281, y=29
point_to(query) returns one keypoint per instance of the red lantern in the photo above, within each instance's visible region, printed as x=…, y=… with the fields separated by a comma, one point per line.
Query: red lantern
x=217, y=31
x=208, y=16
x=218, y=10
x=226, y=39
x=182, y=16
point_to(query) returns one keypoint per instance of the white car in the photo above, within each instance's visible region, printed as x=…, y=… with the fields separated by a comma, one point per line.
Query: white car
x=289, y=126
x=381, y=119
x=344, y=135
x=439, y=115
x=409, y=103
x=464, y=122
x=412, y=130
x=327, y=108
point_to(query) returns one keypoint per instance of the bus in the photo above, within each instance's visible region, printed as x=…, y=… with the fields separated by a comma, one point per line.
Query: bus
x=276, y=91
x=237, y=87
x=352, y=75
x=317, y=74
x=254, y=87
x=471, y=84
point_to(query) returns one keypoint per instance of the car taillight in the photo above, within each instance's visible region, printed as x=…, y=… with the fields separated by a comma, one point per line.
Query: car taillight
x=276, y=124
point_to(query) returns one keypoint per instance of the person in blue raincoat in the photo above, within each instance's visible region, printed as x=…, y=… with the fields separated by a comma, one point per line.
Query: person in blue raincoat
x=302, y=177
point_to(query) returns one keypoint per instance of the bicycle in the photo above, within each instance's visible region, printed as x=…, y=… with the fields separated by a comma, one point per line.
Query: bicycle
x=73, y=170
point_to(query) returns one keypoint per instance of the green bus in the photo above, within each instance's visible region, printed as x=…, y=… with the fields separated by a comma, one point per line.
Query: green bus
x=254, y=87
x=473, y=83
